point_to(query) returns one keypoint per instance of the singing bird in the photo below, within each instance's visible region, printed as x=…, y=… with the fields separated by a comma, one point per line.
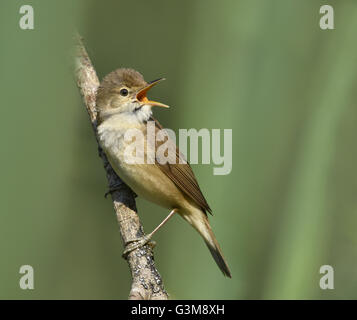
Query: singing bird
x=122, y=104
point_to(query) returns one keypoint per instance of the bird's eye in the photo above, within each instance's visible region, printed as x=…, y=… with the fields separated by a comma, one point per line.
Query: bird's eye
x=124, y=92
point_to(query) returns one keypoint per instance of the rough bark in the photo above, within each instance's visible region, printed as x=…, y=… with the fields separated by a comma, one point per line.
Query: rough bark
x=146, y=280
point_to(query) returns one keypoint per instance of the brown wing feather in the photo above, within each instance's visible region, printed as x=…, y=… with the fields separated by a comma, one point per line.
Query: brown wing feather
x=183, y=177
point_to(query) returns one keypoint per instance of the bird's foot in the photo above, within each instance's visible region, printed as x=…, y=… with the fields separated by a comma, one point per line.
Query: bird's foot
x=119, y=188
x=138, y=243
x=111, y=190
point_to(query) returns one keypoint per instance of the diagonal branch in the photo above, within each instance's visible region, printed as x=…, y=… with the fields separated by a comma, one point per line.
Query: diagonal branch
x=146, y=280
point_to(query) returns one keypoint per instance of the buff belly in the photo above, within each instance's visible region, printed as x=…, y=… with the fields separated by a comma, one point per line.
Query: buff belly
x=149, y=182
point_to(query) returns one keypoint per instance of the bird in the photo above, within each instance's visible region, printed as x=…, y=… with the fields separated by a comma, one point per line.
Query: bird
x=122, y=105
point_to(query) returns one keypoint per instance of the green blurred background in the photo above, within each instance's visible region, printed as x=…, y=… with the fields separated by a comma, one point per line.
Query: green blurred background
x=262, y=68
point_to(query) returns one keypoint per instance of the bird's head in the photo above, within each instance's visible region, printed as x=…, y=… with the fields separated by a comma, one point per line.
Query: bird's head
x=124, y=91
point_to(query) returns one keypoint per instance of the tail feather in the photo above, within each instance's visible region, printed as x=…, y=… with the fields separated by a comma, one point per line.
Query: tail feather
x=217, y=254
x=200, y=222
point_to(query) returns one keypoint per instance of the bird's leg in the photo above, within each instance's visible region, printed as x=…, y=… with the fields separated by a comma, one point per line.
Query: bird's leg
x=135, y=244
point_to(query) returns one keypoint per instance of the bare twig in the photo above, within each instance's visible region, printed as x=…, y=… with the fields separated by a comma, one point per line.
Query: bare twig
x=146, y=281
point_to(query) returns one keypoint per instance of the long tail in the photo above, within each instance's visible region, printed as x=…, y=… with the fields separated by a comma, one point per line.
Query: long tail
x=200, y=222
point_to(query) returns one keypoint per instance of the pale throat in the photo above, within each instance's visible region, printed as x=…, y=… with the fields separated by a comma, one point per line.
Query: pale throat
x=136, y=116
x=112, y=130
x=143, y=114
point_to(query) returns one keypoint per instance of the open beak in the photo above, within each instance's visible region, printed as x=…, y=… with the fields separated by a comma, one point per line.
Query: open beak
x=141, y=95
